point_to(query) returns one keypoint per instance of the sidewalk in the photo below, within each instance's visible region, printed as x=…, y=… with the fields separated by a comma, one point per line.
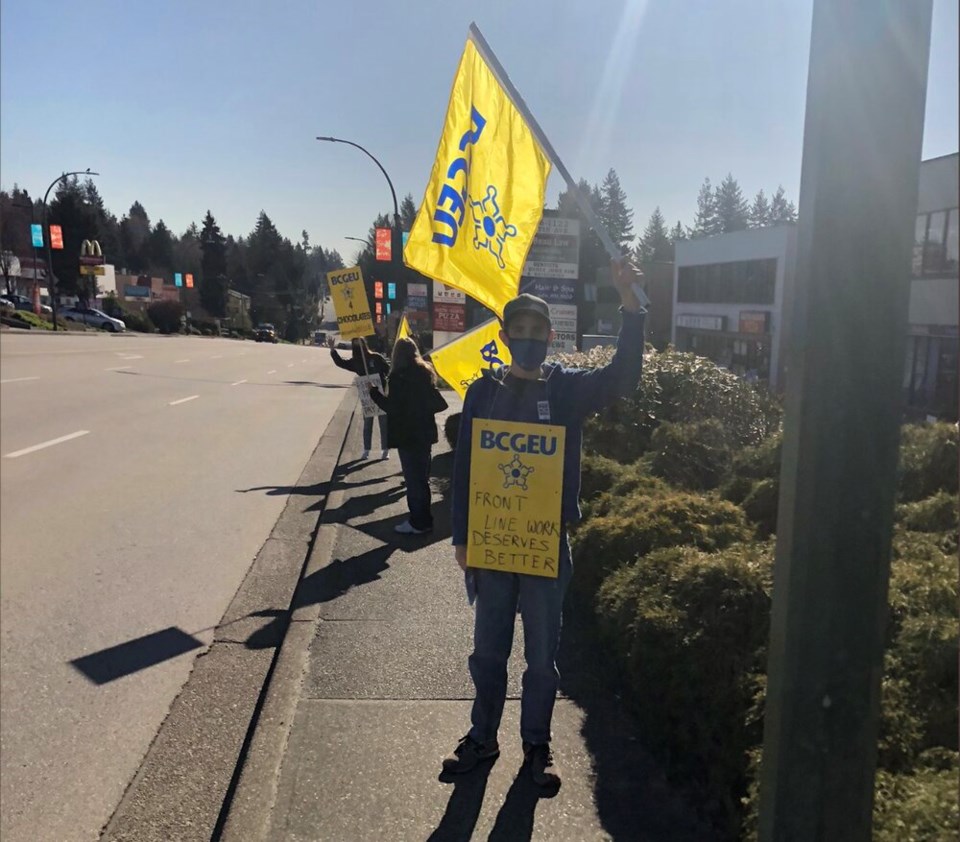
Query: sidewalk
x=371, y=691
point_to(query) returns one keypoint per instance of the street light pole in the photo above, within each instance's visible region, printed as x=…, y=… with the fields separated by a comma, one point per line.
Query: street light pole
x=51, y=281
x=397, y=238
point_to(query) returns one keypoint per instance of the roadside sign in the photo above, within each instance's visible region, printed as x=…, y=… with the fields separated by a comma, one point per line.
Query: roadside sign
x=56, y=237
x=36, y=234
x=349, y=295
x=93, y=270
x=384, y=244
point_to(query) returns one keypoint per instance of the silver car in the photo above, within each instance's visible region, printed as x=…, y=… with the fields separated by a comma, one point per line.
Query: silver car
x=93, y=317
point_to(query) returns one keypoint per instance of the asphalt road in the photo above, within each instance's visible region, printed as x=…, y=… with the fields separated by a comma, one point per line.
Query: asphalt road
x=139, y=476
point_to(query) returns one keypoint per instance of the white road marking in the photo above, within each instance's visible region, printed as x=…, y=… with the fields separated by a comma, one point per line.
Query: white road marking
x=290, y=365
x=182, y=361
x=18, y=379
x=130, y=356
x=184, y=400
x=42, y=445
x=272, y=371
x=119, y=368
x=238, y=382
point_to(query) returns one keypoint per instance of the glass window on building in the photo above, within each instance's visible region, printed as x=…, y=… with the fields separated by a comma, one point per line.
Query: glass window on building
x=919, y=238
x=735, y=282
x=951, y=262
x=933, y=257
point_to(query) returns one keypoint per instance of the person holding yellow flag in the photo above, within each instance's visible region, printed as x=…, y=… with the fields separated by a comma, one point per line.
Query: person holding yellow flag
x=522, y=424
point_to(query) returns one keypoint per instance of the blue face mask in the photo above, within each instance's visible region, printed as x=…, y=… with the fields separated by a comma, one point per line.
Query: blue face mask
x=529, y=354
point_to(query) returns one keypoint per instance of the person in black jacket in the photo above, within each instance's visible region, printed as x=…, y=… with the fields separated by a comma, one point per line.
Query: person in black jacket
x=375, y=364
x=411, y=402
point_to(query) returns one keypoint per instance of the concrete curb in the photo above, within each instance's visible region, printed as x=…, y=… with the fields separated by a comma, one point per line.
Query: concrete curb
x=187, y=781
x=250, y=812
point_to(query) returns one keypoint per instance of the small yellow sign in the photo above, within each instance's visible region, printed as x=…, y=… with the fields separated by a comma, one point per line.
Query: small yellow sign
x=350, y=301
x=516, y=489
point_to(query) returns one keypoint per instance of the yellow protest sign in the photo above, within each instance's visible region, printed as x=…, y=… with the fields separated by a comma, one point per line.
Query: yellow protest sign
x=516, y=488
x=350, y=302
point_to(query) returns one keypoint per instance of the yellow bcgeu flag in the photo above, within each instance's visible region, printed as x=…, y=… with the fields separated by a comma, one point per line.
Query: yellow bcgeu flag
x=484, y=200
x=404, y=330
x=463, y=360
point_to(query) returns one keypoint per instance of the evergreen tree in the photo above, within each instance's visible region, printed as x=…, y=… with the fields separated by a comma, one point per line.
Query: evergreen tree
x=614, y=213
x=159, y=249
x=187, y=254
x=654, y=243
x=706, y=223
x=78, y=220
x=134, y=230
x=781, y=211
x=677, y=233
x=408, y=212
x=760, y=211
x=213, y=272
x=732, y=208
x=15, y=242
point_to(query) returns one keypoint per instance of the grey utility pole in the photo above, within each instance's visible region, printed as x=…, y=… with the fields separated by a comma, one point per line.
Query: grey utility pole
x=858, y=199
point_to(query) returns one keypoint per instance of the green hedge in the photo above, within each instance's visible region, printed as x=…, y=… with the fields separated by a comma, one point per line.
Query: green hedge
x=678, y=388
x=688, y=630
x=680, y=583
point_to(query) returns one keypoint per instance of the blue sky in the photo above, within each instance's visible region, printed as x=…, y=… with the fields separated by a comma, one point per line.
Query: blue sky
x=186, y=106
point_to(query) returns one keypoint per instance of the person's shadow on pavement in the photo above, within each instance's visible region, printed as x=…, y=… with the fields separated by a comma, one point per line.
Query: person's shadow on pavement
x=515, y=820
x=463, y=807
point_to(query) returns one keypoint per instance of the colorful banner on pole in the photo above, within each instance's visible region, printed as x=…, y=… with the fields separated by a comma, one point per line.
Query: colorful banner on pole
x=189, y=280
x=56, y=237
x=350, y=302
x=485, y=195
x=462, y=361
x=516, y=487
x=36, y=235
x=384, y=244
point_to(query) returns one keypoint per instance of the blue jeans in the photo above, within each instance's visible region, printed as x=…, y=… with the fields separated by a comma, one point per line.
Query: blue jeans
x=368, y=432
x=415, y=463
x=541, y=606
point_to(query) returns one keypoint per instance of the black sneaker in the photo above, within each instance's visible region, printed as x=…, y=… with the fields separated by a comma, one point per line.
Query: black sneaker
x=542, y=768
x=468, y=754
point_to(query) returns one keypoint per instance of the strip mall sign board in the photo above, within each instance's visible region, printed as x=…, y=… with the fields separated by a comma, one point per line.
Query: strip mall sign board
x=443, y=294
x=555, y=252
x=551, y=290
x=563, y=320
x=449, y=317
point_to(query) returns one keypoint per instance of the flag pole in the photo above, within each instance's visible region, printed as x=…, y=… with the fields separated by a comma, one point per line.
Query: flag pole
x=584, y=203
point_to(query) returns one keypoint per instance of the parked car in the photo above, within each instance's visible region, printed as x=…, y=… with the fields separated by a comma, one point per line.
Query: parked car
x=6, y=305
x=22, y=302
x=93, y=317
x=266, y=333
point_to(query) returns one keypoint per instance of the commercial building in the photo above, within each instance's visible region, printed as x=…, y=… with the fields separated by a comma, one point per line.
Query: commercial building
x=729, y=295
x=930, y=372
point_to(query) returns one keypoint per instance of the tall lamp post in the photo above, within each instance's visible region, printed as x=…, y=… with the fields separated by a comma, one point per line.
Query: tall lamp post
x=50, y=279
x=397, y=239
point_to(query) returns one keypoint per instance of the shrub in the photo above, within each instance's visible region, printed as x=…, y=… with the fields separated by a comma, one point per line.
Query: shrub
x=597, y=475
x=688, y=630
x=928, y=460
x=918, y=806
x=166, y=315
x=935, y=514
x=693, y=456
x=679, y=388
x=641, y=523
x=761, y=506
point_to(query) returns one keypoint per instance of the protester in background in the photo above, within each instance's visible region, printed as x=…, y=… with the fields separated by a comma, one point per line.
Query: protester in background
x=533, y=393
x=362, y=362
x=411, y=402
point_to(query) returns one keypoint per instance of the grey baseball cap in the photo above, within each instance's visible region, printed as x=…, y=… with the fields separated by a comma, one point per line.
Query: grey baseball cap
x=525, y=303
